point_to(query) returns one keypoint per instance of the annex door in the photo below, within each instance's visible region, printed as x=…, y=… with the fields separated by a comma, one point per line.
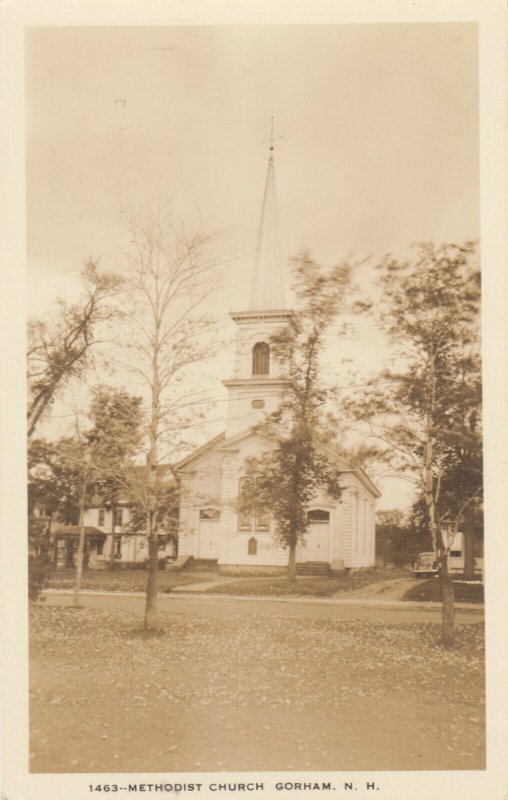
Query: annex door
x=316, y=546
x=208, y=533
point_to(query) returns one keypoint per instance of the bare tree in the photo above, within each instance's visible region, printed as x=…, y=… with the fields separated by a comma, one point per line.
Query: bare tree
x=60, y=350
x=171, y=273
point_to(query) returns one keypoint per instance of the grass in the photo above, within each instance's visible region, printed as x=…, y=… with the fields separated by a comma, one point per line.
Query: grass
x=430, y=591
x=304, y=586
x=250, y=692
x=128, y=580
x=275, y=586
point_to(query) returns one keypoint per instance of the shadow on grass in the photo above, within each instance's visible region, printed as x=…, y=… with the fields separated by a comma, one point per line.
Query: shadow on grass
x=430, y=591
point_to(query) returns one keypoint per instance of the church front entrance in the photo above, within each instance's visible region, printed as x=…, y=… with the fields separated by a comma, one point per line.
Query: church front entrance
x=316, y=547
x=208, y=533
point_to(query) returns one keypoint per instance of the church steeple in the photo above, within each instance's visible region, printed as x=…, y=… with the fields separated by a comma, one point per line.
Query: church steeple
x=258, y=381
x=267, y=288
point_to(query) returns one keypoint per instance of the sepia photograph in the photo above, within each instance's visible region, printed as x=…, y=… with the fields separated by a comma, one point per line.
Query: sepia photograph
x=255, y=541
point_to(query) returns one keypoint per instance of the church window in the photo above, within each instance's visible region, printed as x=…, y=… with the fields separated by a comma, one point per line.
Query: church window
x=258, y=404
x=262, y=518
x=244, y=521
x=101, y=517
x=260, y=359
x=253, y=517
x=253, y=546
x=318, y=515
x=118, y=516
x=245, y=514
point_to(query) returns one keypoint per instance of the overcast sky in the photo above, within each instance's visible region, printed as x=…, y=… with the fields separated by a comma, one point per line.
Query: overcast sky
x=379, y=148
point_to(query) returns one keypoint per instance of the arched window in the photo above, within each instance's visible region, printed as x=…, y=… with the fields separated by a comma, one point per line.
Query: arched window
x=318, y=515
x=253, y=546
x=260, y=359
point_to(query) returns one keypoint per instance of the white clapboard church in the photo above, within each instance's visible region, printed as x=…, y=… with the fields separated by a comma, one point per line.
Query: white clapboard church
x=341, y=532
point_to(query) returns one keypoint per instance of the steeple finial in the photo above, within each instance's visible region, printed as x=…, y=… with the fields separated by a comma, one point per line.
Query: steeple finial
x=272, y=138
x=267, y=290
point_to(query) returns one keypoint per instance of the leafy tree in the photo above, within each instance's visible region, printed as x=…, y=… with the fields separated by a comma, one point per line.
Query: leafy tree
x=399, y=537
x=299, y=465
x=61, y=350
x=54, y=479
x=55, y=488
x=462, y=482
x=170, y=274
x=390, y=525
x=116, y=437
x=420, y=408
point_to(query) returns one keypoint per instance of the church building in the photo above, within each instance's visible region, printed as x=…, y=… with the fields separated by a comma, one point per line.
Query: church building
x=341, y=532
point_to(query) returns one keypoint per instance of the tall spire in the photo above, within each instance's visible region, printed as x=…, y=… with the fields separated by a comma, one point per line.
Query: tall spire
x=267, y=288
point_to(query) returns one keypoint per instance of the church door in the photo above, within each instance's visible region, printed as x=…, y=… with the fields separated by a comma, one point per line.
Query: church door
x=316, y=547
x=208, y=533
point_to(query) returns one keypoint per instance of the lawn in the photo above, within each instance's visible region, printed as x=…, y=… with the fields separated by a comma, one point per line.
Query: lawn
x=124, y=580
x=266, y=692
x=430, y=591
x=309, y=586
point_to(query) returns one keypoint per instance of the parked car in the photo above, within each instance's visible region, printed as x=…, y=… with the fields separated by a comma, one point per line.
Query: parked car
x=426, y=565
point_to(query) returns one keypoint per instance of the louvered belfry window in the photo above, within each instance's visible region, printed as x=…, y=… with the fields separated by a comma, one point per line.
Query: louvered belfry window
x=260, y=359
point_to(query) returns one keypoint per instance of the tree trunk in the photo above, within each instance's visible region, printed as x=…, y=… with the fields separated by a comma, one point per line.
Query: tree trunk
x=151, y=466
x=439, y=546
x=469, y=544
x=81, y=544
x=112, y=550
x=448, y=599
x=153, y=553
x=292, y=559
x=152, y=579
x=50, y=540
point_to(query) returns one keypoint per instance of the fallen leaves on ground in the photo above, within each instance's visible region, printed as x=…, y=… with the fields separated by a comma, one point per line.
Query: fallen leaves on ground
x=250, y=693
x=122, y=580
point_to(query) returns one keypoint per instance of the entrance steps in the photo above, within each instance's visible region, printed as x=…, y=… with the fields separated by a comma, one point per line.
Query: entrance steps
x=201, y=565
x=313, y=568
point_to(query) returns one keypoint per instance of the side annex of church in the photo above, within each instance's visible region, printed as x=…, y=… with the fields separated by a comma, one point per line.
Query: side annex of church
x=341, y=532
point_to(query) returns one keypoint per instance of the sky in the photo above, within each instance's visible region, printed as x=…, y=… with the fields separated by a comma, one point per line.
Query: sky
x=378, y=147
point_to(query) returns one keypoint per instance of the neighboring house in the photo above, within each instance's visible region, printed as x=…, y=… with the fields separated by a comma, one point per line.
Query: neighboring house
x=66, y=539
x=101, y=535
x=341, y=532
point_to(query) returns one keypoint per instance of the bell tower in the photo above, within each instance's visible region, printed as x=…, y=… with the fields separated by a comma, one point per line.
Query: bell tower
x=257, y=384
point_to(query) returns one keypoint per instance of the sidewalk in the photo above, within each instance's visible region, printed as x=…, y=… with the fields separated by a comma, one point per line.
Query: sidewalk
x=326, y=601
x=191, y=588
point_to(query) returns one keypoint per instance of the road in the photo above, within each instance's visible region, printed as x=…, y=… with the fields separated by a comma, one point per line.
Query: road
x=221, y=607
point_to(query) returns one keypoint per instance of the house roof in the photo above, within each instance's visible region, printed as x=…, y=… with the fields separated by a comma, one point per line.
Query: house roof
x=74, y=530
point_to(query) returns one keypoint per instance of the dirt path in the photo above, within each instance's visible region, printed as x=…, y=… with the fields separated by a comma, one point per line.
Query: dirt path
x=388, y=589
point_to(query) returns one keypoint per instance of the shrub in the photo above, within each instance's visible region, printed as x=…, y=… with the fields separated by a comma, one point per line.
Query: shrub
x=39, y=568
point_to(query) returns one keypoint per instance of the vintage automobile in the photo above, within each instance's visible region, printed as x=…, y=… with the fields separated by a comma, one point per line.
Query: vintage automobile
x=425, y=565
